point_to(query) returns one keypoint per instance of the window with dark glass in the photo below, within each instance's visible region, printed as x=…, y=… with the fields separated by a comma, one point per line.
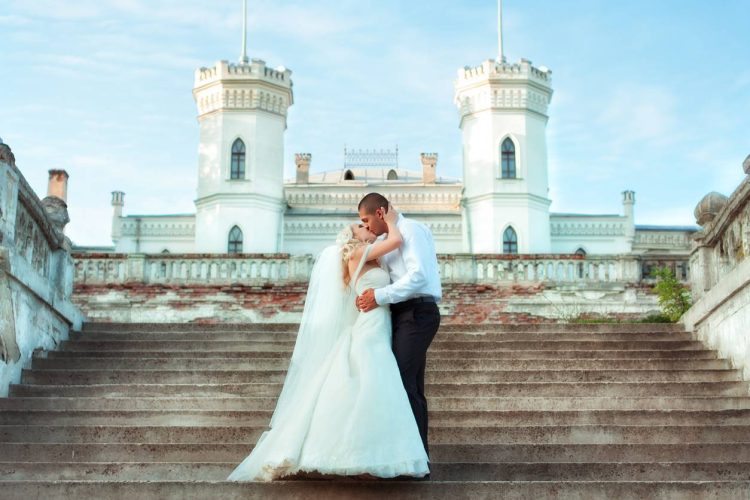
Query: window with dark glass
x=510, y=241
x=235, y=240
x=348, y=175
x=508, y=159
x=581, y=251
x=237, y=170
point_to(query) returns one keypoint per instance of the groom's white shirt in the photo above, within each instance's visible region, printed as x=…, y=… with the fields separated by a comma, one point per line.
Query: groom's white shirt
x=413, y=266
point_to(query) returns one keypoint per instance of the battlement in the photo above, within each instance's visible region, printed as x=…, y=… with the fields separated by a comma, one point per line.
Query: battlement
x=494, y=70
x=255, y=70
x=230, y=86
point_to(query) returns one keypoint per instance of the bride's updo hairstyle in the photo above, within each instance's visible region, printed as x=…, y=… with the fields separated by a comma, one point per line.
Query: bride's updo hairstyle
x=348, y=243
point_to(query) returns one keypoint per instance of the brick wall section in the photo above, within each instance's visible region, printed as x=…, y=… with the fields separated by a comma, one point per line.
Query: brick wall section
x=462, y=303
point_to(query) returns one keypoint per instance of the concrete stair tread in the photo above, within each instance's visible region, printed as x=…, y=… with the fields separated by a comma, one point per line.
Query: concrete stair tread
x=691, y=354
x=541, y=403
x=519, y=471
x=459, y=453
x=394, y=490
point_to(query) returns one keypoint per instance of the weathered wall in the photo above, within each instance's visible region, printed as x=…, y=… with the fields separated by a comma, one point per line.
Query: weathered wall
x=467, y=303
x=36, y=272
x=720, y=275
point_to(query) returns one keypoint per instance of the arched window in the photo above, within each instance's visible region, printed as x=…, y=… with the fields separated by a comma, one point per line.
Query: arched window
x=508, y=159
x=510, y=241
x=237, y=170
x=235, y=240
x=348, y=175
x=392, y=175
x=581, y=251
x=166, y=250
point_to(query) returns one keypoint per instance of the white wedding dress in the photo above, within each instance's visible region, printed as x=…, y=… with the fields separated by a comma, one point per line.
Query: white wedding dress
x=351, y=416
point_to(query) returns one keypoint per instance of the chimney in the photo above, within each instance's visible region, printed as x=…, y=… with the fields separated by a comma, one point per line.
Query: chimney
x=429, y=165
x=303, y=167
x=58, y=184
x=118, y=201
x=628, y=205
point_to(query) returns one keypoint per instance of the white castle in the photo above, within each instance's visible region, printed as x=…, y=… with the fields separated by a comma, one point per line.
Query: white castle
x=244, y=205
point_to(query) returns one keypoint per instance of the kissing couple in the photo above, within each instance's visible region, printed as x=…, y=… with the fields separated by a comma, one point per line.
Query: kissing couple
x=353, y=400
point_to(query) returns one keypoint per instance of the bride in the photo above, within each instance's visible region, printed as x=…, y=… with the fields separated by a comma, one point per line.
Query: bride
x=343, y=409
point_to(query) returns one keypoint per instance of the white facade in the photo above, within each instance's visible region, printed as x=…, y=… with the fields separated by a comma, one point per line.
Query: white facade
x=497, y=102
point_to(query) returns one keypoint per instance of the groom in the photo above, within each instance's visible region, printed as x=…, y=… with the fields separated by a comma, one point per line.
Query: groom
x=413, y=295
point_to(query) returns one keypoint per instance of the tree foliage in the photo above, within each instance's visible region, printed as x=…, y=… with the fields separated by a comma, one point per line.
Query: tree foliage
x=674, y=297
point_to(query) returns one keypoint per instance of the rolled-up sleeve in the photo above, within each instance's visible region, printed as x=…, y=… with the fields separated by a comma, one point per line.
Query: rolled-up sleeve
x=415, y=246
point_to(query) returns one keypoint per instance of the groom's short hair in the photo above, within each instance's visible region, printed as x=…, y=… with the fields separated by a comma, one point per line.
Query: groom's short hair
x=372, y=202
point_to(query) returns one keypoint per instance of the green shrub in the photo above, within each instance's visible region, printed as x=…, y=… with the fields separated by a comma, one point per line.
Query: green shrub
x=656, y=318
x=674, y=297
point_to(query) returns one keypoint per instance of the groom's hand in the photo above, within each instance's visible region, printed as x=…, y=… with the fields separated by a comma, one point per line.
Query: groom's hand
x=366, y=301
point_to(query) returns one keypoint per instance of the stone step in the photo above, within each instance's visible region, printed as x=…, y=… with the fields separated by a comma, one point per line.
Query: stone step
x=293, y=327
x=560, y=434
x=224, y=345
x=218, y=471
x=520, y=403
x=139, y=376
x=463, y=390
x=442, y=336
x=477, y=453
x=375, y=490
x=443, y=418
x=692, y=354
x=214, y=363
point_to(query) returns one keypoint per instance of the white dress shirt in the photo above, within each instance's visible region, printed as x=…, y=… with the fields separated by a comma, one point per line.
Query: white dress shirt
x=413, y=266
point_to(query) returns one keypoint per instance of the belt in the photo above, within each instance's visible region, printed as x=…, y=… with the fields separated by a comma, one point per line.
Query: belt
x=413, y=302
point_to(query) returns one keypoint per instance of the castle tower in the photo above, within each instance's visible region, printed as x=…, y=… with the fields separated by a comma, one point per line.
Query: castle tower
x=503, y=120
x=242, y=111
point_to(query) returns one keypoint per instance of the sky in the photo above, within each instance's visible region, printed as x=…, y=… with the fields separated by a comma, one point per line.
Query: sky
x=649, y=95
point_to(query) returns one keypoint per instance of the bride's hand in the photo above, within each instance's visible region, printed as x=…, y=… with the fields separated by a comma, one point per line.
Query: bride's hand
x=391, y=216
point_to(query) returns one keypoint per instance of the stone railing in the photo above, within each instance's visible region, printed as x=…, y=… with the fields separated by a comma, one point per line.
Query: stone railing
x=36, y=272
x=720, y=274
x=214, y=269
x=191, y=269
x=468, y=268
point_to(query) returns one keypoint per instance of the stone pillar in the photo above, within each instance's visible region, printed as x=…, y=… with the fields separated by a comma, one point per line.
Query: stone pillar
x=58, y=184
x=302, y=160
x=429, y=166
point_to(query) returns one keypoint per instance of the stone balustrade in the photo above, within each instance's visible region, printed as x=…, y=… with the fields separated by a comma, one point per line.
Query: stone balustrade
x=720, y=274
x=36, y=271
x=251, y=269
x=191, y=269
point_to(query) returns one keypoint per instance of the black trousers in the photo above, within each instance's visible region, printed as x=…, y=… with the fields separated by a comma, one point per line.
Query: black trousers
x=414, y=327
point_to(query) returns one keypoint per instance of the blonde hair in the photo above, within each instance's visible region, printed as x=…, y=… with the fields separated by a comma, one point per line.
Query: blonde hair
x=348, y=244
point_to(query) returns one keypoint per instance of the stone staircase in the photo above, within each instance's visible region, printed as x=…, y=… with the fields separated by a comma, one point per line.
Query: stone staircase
x=536, y=411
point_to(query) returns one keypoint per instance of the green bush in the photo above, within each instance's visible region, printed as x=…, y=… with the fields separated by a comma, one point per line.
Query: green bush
x=674, y=297
x=656, y=318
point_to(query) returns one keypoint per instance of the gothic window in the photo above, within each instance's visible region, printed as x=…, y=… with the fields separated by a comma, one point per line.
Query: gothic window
x=235, y=240
x=581, y=251
x=508, y=159
x=348, y=175
x=510, y=241
x=392, y=175
x=237, y=170
x=166, y=250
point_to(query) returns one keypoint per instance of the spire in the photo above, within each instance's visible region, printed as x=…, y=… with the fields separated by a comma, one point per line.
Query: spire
x=500, y=54
x=243, y=54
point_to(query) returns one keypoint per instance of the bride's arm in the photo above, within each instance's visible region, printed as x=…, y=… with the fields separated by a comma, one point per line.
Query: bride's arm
x=392, y=242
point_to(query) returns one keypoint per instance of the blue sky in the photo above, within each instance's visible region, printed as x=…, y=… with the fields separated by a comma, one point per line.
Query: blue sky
x=650, y=95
